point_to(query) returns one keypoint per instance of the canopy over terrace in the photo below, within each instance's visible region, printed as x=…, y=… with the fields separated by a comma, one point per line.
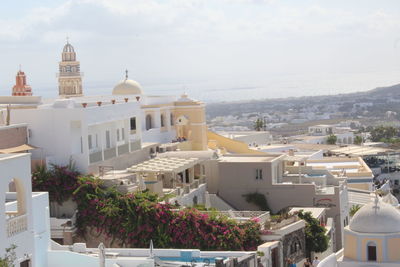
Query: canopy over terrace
x=167, y=171
x=360, y=151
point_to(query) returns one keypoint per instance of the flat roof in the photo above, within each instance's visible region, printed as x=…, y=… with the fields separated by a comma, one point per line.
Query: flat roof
x=247, y=159
x=315, y=212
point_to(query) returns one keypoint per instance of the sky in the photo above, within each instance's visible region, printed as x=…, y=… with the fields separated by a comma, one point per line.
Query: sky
x=215, y=50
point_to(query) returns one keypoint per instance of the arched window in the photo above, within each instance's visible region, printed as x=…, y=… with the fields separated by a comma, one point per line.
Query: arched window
x=371, y=251
x=171, y=118
x=148, y=122
x=162, y=120
x=295, y=246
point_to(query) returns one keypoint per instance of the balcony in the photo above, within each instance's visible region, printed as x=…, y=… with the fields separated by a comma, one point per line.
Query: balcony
x=16, y=225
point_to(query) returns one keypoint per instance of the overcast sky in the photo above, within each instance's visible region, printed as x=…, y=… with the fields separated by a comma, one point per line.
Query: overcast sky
x=283, y=48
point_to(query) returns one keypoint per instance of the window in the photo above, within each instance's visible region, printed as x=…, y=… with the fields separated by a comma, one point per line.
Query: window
x=97, y=140
x=371, y=251
x=117, y=134
x=133, y=124
x=396, y=182
x=171, y=118
x=259, y=174
x=148, y=122
x=162, y=120
x=122, y=133
x=108, y=139
x=90, y=143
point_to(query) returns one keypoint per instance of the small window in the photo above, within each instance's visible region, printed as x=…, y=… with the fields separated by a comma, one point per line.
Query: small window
x=133, y=124
x=122, y=133
x=97, y=140
x=259, y=174
x=90, y=143
x=171, y=118
x=117, y=134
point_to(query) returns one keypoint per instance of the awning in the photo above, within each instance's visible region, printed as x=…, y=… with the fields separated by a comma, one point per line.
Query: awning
x=17, y=149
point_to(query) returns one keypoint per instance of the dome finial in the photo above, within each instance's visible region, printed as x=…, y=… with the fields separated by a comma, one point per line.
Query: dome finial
x=126, y=74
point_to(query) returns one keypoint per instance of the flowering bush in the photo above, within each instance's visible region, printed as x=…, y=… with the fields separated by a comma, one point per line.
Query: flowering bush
x=133, y=220
x=59, y=181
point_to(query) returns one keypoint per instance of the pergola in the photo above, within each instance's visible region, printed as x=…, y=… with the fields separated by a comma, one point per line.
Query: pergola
x=167, y=167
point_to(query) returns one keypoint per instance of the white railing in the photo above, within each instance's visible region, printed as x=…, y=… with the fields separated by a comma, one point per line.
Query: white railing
x=17, y=225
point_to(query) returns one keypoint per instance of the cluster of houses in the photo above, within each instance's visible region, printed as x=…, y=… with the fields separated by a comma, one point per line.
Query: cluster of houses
x=135, y=142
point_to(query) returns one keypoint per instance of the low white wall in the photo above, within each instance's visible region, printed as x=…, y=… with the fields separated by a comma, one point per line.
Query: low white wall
x=187, y=199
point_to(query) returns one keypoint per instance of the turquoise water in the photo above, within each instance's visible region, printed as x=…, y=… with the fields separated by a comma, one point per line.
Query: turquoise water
x=150, y=182
x=315, y=175
x=187, y=259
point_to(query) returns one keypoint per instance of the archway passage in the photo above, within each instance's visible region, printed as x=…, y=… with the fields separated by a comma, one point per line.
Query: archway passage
x=15, y=199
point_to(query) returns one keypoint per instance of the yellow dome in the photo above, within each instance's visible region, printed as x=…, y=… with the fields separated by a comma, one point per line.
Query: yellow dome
x=127, y=87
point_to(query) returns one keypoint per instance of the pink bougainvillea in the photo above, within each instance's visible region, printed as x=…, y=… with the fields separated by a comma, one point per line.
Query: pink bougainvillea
x=135, y=219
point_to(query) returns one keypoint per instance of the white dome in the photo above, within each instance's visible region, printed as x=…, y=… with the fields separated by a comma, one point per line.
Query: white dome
x=376, y=217
x=390, y=199
x=127, y=87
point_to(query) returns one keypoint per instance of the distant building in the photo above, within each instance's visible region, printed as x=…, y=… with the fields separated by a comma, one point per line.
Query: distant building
x=69, y=77
x=21, y=88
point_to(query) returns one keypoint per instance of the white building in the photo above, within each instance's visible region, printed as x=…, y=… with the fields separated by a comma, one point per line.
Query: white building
x=89, y=133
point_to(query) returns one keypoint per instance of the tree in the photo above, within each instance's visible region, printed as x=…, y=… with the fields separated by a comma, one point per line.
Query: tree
x=259, y=124
x=354, y=209
x=9, y=257
x=358, y=140
x=331, y=140
x=316, y=239
x=381, y=133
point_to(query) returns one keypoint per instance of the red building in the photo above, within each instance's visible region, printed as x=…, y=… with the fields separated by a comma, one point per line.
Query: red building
x=21, y=88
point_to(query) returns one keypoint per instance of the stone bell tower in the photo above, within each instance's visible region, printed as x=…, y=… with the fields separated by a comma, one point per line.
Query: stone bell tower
x=69, y=77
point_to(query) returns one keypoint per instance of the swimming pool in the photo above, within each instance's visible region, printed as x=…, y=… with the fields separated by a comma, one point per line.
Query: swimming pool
x=185, y=259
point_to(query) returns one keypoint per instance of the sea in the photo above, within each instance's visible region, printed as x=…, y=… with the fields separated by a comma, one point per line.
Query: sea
x=235, y=89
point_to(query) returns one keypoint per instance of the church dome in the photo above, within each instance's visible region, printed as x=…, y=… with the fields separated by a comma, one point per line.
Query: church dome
x=376, y=217
x=68, y=48
x=390, y=199
x=127, y=87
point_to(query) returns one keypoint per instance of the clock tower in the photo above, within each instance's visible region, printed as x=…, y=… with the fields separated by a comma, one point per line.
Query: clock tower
x=69, y=77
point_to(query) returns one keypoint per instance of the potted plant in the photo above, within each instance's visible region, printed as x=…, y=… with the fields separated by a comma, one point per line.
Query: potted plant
x=113, y=101
x=137, y=98
x=126, y=99
x=84, y=105
x=99, y=103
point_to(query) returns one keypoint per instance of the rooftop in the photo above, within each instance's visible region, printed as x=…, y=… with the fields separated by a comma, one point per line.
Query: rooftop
x=315, y=212
x=247, y=159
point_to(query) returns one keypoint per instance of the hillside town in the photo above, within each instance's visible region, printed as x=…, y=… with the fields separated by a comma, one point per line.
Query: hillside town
x=131, y=179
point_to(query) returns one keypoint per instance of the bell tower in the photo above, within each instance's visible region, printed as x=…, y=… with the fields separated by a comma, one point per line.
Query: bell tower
x=21, y=88
x=69, y=76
